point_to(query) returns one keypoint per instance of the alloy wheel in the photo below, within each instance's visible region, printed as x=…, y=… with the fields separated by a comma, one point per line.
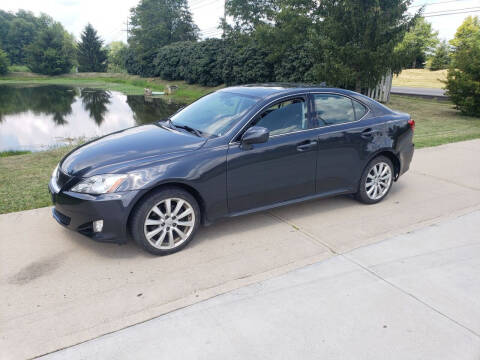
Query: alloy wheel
x=169, y=223
x=379, y=180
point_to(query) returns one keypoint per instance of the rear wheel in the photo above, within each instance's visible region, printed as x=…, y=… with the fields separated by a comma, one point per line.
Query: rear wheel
x=376, y=181
x=166, y=221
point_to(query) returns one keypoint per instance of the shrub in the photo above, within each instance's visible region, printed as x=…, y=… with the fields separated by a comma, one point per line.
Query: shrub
x=463, y=79
x=295, y=65
x=245, y=63
x=173, y=61
x=206, y=63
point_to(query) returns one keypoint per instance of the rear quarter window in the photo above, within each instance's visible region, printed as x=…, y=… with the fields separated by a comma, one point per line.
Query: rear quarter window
x=360, y=110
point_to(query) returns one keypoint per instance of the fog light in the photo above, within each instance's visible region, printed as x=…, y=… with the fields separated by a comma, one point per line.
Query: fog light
x=98, y=226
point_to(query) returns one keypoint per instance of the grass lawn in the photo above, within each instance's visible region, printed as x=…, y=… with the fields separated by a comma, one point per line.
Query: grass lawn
x=24, y=178
x=127, y=84
x=422, y=78
x=437, y=122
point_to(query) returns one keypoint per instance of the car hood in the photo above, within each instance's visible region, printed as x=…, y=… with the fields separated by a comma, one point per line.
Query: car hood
x=125, y=149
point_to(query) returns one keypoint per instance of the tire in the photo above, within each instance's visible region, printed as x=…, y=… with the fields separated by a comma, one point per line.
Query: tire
x=381, y=184
x=159, y=220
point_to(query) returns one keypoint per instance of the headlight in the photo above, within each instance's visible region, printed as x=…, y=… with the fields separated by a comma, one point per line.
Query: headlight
x=100, y=184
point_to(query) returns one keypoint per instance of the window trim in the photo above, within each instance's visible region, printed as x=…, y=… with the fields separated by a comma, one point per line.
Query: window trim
x=344, y=95
x=305, y=97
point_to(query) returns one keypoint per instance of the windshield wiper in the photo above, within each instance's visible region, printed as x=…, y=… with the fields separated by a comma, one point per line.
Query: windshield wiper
x=188, y=128
x=169, y=122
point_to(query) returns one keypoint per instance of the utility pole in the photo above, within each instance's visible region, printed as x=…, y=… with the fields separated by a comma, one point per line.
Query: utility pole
x=127, y=24
x=224, y=16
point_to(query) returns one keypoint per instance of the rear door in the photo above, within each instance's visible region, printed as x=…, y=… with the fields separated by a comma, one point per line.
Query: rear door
x=279, y=170
x=346, y=139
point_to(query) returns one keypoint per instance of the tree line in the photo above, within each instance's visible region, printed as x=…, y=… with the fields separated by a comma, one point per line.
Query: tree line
x=46, y=47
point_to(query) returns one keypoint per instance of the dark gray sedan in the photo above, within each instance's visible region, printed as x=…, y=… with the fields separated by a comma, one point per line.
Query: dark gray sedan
x=235, y=151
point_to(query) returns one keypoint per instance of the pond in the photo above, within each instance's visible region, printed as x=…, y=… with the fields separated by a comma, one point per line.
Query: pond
x=41, y=117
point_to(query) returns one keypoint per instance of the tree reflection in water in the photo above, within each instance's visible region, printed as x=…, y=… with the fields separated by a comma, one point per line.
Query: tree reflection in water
x=36, y=117
x=148, y=110
x=56, y=101
x=95, y=102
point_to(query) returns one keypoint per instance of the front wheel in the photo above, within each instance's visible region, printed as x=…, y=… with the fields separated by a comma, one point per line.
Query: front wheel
x=376, y=181
x=166, y=221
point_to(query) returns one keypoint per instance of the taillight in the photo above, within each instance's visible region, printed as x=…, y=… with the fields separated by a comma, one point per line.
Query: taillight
x=412, y=124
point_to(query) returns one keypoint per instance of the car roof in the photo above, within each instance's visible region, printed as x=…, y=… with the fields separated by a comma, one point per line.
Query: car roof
x=272, y=91
x=269, y=89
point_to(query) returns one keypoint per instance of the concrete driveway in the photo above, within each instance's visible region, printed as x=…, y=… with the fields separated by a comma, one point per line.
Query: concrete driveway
x=59, y=288
x=413, y=296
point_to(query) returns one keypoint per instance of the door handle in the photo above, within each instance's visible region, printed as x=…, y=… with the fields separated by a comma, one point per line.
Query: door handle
x=305, y=146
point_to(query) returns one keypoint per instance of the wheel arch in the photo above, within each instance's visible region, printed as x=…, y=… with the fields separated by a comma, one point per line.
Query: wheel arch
x=393, y=158
x=188, y=188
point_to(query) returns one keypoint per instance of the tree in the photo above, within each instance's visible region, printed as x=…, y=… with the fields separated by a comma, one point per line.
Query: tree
x=358, y=38
x=441, y=58
x=90, y=53
x=417, y=44
x=156, y=23
x=52, y=52
x=249, y=14
x=117, y=56
x=18, y=30
x=463, y=79
x=4, y=62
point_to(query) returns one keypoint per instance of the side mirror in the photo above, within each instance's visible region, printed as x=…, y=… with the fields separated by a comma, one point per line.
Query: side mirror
x=255, y=135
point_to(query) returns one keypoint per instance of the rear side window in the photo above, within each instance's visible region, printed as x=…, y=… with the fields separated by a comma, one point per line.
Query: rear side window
x=333, y=109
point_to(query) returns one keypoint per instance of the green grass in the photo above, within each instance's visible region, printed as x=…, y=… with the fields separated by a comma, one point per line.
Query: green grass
x=18, y=68
x=127, y=84
x=437, y=122
x=24, y=178
x=13, y=153
x=422, y=78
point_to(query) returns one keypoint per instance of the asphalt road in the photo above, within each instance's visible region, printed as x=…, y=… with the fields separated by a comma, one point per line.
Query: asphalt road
x=423, y=92
x=59, y=288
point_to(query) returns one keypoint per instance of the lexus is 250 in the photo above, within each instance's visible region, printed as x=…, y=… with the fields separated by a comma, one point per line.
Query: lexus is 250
x=235, y=151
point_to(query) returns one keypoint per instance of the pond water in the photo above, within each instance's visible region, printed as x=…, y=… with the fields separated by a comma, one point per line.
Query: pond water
x=41, y=117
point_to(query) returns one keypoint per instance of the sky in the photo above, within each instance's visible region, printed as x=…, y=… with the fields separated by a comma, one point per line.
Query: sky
x=109, y=17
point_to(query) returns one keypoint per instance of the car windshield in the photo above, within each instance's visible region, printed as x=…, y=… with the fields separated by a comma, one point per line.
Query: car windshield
x=214, y=114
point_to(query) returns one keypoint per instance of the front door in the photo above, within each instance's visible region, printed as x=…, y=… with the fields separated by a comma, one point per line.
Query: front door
x=279, y=170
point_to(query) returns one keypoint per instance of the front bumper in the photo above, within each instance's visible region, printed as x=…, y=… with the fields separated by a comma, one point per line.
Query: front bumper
x=77, y=212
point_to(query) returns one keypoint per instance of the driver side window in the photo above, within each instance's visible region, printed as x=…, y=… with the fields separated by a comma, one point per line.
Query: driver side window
x=284, y=117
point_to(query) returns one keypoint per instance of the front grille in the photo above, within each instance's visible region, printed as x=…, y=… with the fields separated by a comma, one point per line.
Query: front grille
x=64, y=219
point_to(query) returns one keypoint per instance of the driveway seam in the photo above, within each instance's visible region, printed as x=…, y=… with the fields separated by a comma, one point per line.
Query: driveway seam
x=395, y=286
x=306, y=233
